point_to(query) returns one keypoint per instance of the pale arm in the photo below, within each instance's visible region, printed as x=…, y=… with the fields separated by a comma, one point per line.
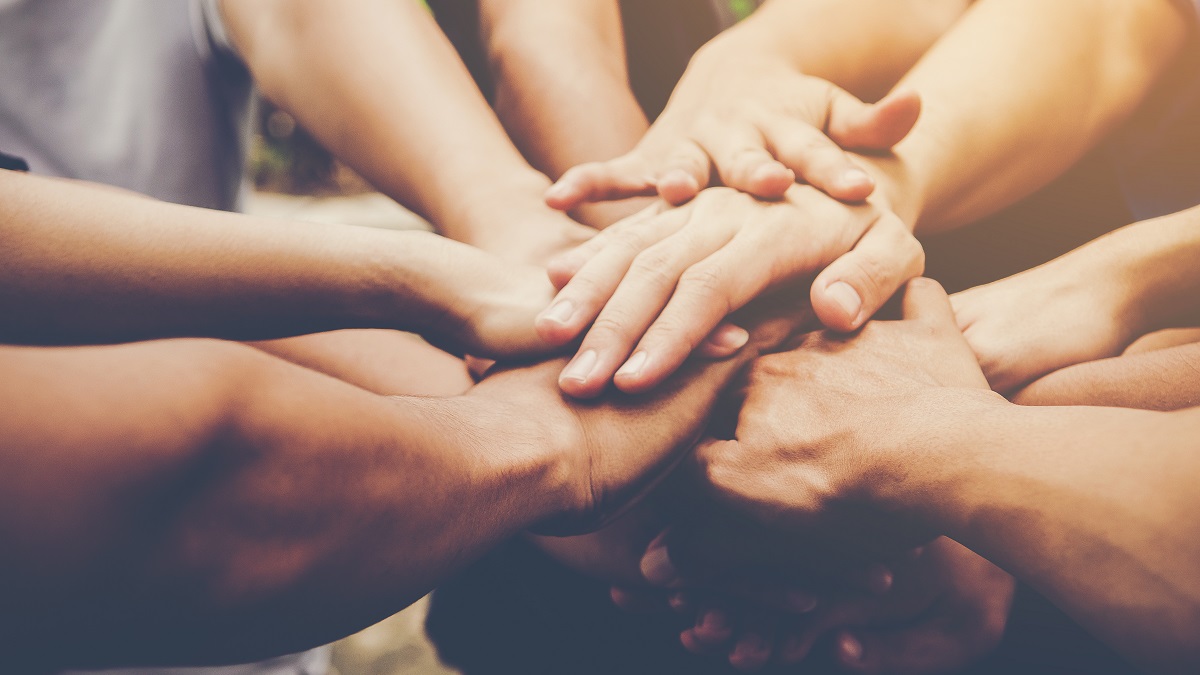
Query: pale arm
x=378, y=84
x=82, y=264
x=562, y=84
x=1064, y=75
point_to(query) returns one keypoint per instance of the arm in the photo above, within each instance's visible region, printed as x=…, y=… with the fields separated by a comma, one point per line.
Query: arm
x=562, y=81
x=901, y=440
x=83, y=264
x=1048, y=492
x=382, y=88
x=562, y=86
x=773, y=98
x=1164, y=379
x=252, y=507
x=1065, y=74
x=1091, y=303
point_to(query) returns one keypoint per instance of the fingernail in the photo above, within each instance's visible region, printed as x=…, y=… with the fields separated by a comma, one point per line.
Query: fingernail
x=880, y=579
x=560, y=312
x=800, y=602
x=731, y=338
x=853, y=178
x=844, y=295
x=633, y=367
x=851, y=648
x=580, y=367
x=657, y=568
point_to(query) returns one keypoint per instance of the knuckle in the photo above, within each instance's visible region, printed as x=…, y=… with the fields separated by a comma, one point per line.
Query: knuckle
x=707, y=283
x=610, y=324
x=655, y=269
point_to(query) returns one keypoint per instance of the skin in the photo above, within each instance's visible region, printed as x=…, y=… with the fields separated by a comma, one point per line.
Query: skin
x=87, y=265
x=347, y=72
x=1093, y=303
x=647, y=292
x=905, y=441
x=958, y=163
x=562, y=87
x=278, y=491
x=764, y=103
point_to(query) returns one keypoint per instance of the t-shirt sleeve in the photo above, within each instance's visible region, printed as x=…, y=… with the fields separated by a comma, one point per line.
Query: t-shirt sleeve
x=215, y=32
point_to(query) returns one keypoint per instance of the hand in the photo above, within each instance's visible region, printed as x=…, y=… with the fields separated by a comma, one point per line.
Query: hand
x=616, y=449
x=1060, y=314
x=487, y=305
x=828, y=431
x=754, y=122
x=946, y=608
x=658, y=285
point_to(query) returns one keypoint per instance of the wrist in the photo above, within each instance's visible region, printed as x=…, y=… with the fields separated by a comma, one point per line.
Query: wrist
x=936, y=437
x=531, y=446
x=896, y=187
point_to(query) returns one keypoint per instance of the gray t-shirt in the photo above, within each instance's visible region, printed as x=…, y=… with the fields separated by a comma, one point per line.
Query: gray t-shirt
x=141, y=94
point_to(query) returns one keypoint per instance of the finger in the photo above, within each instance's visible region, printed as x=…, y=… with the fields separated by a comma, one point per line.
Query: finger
x=582, y=298
x=851, y=289
x=856, y=125
x=638, y=602
x=633, y=306
x=563, y=267
x=724, y=342
x=922, y=649
x=707, y=293
x=925, y=300
x=755, y=645
x=686, y=172
x=739, y=153
x=816, y=158
x=620, y=178
x=713, y=628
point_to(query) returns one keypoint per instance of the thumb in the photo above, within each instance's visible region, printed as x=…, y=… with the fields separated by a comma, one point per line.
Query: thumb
x=926, y=301
x=879, y=126
x=857, y=284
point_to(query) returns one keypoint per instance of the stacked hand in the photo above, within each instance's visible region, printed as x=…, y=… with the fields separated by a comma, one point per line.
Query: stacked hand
x=650, y=290
x=756, y=126
x=934, y=610
x=1071, y=310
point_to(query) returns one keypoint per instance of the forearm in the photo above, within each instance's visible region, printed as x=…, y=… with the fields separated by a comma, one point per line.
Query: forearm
x=1165, y=379
x=562, y=86
x=1047, y=492
x=1064, y=74
x=86, y=265
x=379, y=84
x=864, y=46
x=289, y=509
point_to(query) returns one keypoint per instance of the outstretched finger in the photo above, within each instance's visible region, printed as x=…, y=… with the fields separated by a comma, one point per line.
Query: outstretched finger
x=686, y=171
x=631, y=308
x=816, y=158
x=739, y=154
x=855, y=125
x=563, y=267
x=851, y=289
x=585, y=295
x=620, y=178
x=707, y=293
